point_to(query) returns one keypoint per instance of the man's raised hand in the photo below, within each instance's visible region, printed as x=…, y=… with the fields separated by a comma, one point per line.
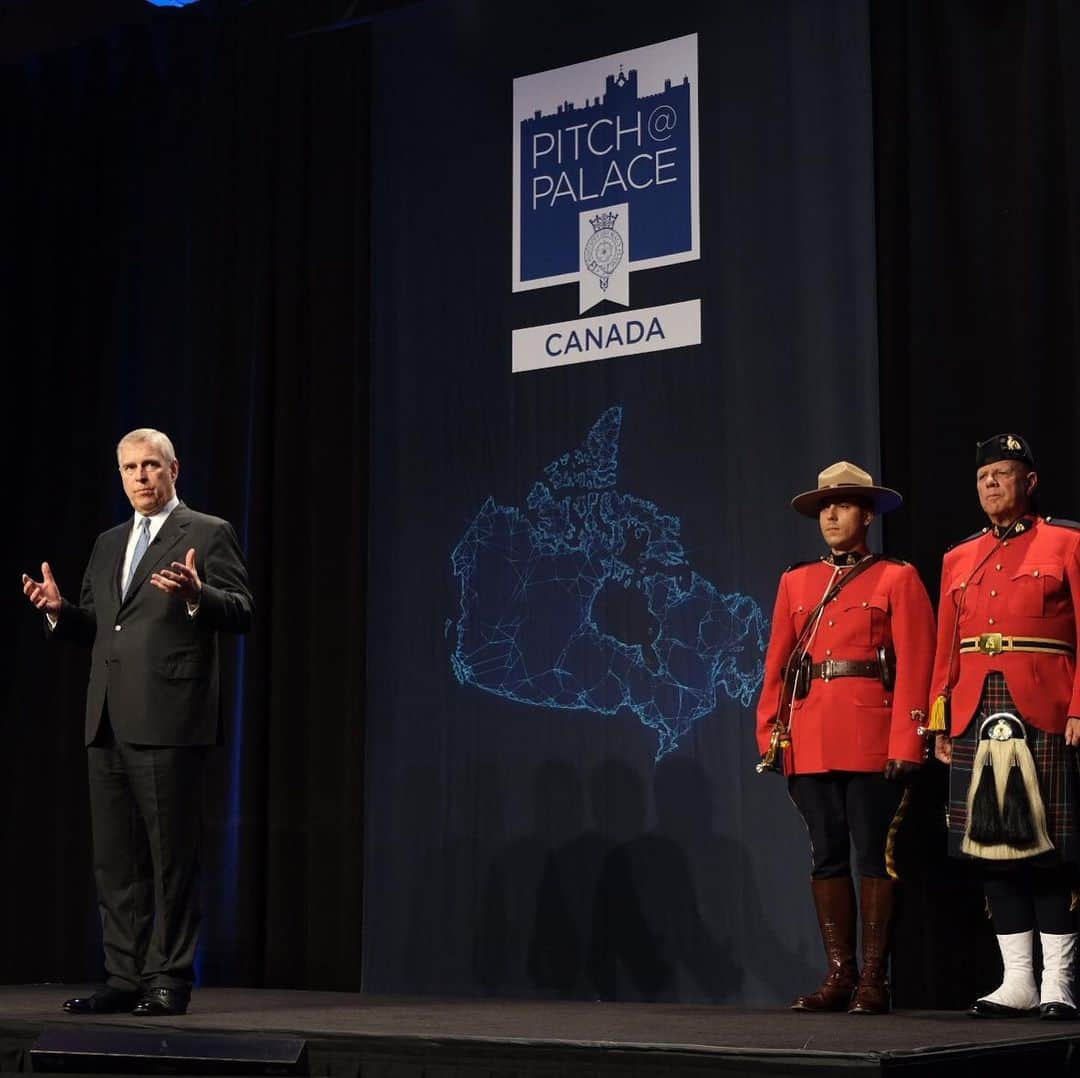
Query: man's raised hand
x=181, y=578
x=44, y=594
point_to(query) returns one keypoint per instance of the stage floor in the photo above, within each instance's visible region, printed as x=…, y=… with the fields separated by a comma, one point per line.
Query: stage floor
x=377, y=1035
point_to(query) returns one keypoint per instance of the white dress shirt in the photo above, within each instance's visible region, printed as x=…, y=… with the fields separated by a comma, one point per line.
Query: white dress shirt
x=156, y=521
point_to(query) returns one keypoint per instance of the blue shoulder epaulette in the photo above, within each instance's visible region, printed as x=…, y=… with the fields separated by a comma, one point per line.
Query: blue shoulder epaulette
x=889, y=557
x=800, y=564
x=1061, y=522
x=967, y=539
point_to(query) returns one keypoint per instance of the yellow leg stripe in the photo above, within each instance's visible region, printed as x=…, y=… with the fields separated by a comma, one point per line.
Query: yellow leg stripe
x=890, y=841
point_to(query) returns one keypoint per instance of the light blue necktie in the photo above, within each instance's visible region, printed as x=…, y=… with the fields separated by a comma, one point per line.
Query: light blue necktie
x=140, y=549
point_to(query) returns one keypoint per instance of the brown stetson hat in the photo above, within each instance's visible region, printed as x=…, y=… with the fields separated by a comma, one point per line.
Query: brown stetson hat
x=845, y=478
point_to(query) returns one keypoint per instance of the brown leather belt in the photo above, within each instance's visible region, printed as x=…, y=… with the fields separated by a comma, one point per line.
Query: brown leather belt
x=831, y=668
x=995, y=644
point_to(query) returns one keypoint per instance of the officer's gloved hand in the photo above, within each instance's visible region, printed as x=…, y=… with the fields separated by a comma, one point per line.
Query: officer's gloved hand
x=898, y=770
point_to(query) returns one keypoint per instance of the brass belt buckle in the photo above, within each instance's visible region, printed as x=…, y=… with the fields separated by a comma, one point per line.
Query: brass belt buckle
x=826, y=670
x=990, y=643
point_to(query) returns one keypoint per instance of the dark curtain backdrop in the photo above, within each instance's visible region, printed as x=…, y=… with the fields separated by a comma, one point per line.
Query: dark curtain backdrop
x=515, y=849
x=185, y=212
x=185, y=204
x=977, y=147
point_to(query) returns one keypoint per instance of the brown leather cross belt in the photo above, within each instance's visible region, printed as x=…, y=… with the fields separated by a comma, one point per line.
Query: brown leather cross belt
x=831, y=668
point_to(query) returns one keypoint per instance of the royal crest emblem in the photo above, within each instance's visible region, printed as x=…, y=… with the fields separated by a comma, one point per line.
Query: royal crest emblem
x=604, y=249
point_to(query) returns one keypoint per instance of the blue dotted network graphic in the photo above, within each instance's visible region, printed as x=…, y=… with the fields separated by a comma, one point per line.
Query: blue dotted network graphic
x=584, y=600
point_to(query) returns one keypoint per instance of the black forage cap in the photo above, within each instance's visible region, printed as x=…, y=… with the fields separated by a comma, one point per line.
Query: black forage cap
x=1003, y=447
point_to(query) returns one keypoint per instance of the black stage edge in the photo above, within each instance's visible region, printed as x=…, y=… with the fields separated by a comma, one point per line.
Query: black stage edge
x=393, y=1037
x=135, y=1051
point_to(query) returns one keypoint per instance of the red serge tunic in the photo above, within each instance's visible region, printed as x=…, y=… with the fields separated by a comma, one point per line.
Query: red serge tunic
x=852, y=723
x=1022, y=587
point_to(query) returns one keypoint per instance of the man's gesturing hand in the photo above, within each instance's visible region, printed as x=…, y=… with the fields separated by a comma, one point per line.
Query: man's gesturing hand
x=45, y=595
x=181, y=578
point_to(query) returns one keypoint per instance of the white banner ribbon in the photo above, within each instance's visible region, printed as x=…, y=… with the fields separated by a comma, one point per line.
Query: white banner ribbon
x=604, y=251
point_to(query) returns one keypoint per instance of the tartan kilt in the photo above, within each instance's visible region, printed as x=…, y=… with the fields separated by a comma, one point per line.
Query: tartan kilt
x=1055, y=763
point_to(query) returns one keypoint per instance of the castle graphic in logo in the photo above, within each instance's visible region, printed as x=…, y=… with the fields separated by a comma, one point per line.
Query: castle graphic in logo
x=579, y=151
x=605, y=184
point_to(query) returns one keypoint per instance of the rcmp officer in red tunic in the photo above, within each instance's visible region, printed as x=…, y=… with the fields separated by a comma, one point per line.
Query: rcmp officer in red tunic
x=846, y=684
x=1007, y=698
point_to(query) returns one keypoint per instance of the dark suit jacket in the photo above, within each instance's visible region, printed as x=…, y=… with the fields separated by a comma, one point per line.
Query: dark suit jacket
x=157, y=665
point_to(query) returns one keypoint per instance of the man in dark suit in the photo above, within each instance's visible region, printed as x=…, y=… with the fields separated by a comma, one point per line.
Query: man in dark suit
x=156, y=594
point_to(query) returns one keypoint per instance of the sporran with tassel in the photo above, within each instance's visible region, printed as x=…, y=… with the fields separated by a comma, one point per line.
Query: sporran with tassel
x=1006, y=817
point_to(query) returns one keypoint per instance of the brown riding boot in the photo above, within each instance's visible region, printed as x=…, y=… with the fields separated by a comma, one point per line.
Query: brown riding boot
x=835, y=903
x=876, y=910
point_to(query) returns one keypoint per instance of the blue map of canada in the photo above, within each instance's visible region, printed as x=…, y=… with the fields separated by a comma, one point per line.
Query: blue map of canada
x=583, y=599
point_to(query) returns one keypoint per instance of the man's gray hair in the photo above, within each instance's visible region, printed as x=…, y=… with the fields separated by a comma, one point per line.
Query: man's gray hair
x=156, y=438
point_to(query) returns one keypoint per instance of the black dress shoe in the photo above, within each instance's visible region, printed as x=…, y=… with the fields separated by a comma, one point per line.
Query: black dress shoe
x=162, y=1001
x=104, y=1001
x=984, y=1008
x=1057, y=1012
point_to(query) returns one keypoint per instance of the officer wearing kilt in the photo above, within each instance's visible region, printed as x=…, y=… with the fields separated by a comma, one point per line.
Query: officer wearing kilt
x=847, y=675
x=1007, y=705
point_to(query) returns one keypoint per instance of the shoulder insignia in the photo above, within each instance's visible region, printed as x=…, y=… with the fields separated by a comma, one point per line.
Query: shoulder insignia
x=1061, y=522
x=890, y=558
x=967, y=539
x=800, y=564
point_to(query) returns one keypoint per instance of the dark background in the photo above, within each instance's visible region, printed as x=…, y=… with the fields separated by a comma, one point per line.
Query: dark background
x=549, y=852
x=186, y=206
x=188, y=209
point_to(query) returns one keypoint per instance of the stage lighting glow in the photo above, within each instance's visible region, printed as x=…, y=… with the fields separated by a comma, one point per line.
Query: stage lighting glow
x=172, y=3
